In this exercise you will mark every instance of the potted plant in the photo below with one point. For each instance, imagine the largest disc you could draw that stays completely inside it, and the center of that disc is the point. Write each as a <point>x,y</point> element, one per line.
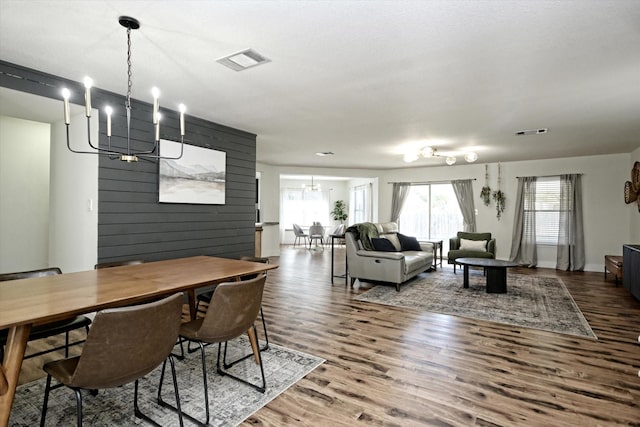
<point>339,211</point>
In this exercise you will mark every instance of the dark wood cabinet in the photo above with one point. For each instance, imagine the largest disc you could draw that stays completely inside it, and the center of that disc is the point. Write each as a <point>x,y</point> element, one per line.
<point>631,269</point>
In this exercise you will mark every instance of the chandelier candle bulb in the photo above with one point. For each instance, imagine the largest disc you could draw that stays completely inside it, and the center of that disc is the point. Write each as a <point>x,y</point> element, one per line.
<point>65,96</point>
<point>182,109</point>
<point>158,128</point>
<point>108,110</point>
<point>87,95</point>
<point>156,105</point>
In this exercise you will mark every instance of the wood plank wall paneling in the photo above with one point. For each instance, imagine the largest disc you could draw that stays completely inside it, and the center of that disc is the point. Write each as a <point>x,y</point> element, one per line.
<point>131,222</point>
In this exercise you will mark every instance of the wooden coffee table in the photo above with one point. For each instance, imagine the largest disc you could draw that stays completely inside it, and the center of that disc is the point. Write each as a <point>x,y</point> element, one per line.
<point>496,270</point>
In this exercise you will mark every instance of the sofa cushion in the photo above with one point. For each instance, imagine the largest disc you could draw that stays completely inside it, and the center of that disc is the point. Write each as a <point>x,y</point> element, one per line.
<point>473,245</point>
<point>455,254</point>
<point>408,243</point>
<point>382,244</point>
<point>416,260</point>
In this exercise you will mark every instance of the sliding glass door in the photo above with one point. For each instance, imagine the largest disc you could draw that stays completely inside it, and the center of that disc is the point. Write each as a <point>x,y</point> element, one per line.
<point>431,212</point>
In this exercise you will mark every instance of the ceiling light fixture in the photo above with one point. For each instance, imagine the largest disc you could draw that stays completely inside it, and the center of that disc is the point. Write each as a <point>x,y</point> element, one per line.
<point>128,155</point>
<point>429,152</point>
<point>325,153</point>
<point>532,132</point>
<point>311,187</point>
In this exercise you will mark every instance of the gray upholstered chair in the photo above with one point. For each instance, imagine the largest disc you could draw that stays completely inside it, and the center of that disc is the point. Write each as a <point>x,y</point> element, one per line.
<point>124,344</point>
<point>47,329</point>
<point>300,235</point>
<point>316,233</point>
<point>233,310</point>
<point>471,250</point>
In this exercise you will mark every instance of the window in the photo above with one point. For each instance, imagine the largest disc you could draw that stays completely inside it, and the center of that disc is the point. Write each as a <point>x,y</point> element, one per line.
<point>431,212</point>
<point>360,204</point>
<point>547,210</point>
<point>304,207</point>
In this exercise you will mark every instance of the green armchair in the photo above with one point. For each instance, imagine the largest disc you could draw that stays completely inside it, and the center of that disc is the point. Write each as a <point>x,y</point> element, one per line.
<point>464,246</point>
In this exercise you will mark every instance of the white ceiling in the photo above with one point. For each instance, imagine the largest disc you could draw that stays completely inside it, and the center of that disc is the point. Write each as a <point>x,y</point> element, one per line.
<point>364,79</point>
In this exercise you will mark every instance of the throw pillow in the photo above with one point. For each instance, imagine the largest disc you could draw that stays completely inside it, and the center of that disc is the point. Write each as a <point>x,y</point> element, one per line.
<point>393,238</point>
<point>382,244</point>
<point>408,243</point>
<point>473,245</point>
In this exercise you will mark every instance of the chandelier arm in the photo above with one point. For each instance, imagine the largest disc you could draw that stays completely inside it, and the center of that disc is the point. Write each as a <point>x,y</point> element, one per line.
<point>149,156</point>
<point>98,150</point>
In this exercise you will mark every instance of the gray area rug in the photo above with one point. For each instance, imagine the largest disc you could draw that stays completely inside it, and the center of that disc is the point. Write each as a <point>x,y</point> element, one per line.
<point>231,402</point>
<point>531,301</point>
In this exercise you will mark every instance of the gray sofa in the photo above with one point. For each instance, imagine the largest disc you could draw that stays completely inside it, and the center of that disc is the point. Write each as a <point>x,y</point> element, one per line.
<point>392,265</point>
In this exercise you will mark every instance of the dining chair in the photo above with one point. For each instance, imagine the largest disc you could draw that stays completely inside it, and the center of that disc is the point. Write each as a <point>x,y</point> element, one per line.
<point>232,312</point>
<point>316,233</point>
<point>118,263</point>
<point>46,330</point>
<point>124,344</point>
<point>300,235</point>
<point>206,297</point>
<point>338,231</point>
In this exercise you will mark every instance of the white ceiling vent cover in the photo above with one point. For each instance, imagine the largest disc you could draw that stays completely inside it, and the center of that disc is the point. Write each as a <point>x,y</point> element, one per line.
<point>247,58</point>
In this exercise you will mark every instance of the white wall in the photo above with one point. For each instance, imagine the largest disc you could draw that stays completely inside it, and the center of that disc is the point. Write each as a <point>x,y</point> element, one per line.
<point>270,197</point>
<point>24,194</point>
<point>606,218</point>
<point>608,222</point>
<point>73,235</point>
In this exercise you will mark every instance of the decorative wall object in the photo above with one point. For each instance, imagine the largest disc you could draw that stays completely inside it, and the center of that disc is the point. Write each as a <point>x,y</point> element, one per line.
<point>198,177</point>
<point>632,188</point>
<point>485,194</point>
<point>499,197</point>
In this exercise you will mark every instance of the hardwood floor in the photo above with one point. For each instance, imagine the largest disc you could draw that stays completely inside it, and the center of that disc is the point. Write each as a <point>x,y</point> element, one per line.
<point>387,366</point>
<point>391,366</point>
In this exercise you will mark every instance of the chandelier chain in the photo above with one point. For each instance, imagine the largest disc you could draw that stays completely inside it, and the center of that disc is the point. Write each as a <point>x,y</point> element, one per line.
<point>129,72</point>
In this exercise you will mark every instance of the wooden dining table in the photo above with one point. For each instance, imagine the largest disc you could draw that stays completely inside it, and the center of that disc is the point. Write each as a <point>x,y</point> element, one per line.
<point>26,302</point>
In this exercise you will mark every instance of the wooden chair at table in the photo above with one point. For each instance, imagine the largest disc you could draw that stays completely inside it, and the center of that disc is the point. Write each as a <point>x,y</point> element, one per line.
<point>46,330</point>
<point>148,331</point>
<point>233,310</point>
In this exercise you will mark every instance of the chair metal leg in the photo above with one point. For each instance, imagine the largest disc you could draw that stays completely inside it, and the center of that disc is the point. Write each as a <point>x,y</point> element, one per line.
<point>261,388</point>
<point>47,389</point>
<point>79,405</point>
<point>178,409</point>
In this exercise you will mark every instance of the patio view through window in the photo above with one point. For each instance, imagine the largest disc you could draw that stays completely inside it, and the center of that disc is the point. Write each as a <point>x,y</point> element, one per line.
<point>431,212</point>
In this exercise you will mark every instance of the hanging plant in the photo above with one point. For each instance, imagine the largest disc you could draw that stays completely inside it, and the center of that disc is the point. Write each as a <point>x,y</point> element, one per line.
<point>499,197</point>
<point>485,194</point>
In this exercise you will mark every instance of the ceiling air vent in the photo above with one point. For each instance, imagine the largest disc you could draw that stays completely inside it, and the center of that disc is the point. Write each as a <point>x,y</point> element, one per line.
<point>532,131</point>
<point>242,60</point>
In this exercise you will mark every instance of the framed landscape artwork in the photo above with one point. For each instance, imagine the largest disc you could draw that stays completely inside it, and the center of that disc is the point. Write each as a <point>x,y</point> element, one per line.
<point>198,177</point>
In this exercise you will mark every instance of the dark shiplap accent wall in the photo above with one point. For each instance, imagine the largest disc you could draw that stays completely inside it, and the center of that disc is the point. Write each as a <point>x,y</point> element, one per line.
<point>131,222</point>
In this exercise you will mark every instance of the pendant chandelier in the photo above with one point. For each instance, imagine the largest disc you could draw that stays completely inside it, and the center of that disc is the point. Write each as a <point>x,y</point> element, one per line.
<point>128,154</point>
<point>311,187</point>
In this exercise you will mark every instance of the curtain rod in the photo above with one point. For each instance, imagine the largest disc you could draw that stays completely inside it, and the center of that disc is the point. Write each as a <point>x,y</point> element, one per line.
<point>428,182</point>
<point>548,176</point>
